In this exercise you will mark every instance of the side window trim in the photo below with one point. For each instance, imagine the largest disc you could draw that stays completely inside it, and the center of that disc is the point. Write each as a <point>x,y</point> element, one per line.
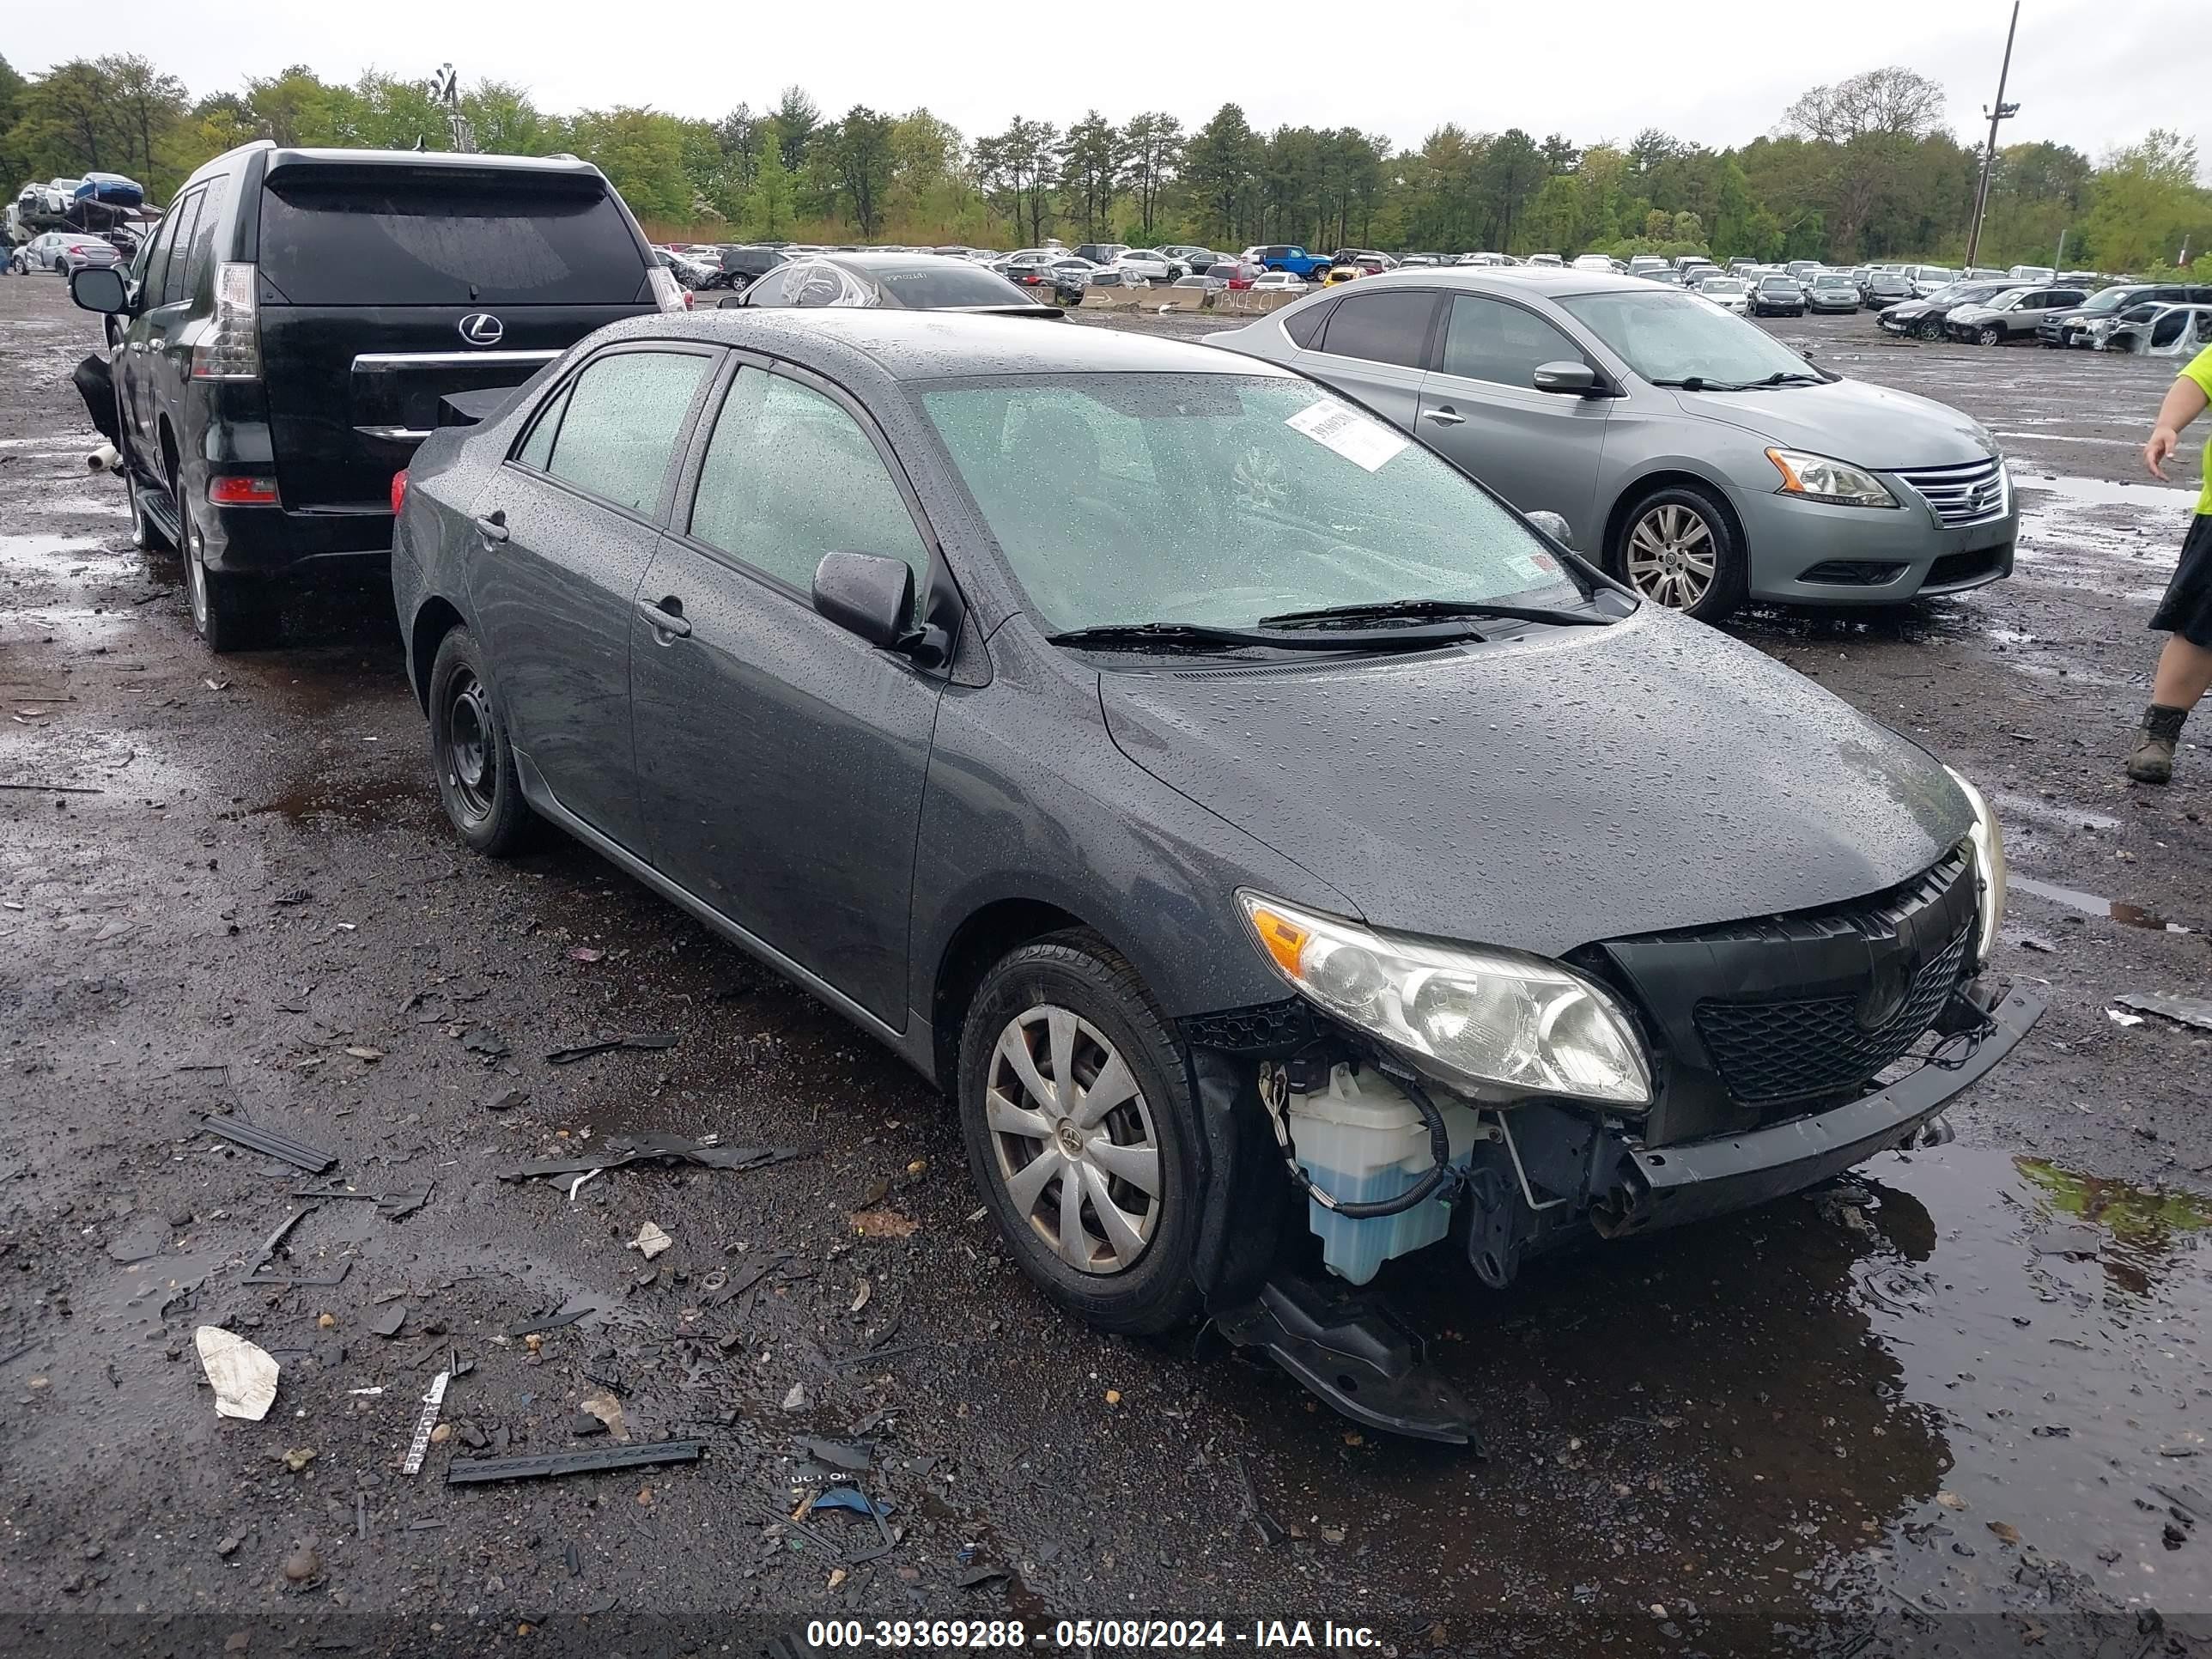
<point>176,269</point>
<point>940,578</point>
<point>657,518</point>
<point>157,255</point>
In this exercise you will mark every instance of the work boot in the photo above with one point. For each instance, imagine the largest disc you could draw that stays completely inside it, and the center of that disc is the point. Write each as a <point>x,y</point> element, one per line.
<point>2152,760</point>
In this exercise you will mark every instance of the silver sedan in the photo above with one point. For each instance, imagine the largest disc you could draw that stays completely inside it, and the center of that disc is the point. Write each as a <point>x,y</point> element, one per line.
<point>1696,456</point>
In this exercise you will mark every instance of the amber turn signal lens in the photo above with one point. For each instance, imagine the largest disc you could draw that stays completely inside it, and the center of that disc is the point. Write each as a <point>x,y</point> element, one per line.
<point>1284,939</point>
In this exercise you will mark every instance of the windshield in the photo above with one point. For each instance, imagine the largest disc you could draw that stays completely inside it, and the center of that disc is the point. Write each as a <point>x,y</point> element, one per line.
<point>1720,285</point>
<point>2110,298</point>
<point>1831,281</point>
<point>1676,337</point>
<point>1937,273</point>
<point>1218,499</point>
<point>2007,298</point>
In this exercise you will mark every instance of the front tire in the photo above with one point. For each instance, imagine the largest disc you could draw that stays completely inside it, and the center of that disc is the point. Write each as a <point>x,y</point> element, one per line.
<point>1928,328</point>
<point>477,782</point>
<point>1076,1105</point>
<point>1989,335</point>
<point>1678,548</point>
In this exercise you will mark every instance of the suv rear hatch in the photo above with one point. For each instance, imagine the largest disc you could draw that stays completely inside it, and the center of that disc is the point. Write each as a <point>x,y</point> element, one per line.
<point>383,288</point>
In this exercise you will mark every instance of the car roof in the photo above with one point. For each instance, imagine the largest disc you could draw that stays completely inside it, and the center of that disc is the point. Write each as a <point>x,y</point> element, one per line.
<point>1553,281</point>
<point>926,345</point>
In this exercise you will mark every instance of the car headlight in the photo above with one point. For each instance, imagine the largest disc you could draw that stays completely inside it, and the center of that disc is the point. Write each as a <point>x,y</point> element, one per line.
<point>1820,478</point>
<point>1484,1021</point>
<point>1988,839</point>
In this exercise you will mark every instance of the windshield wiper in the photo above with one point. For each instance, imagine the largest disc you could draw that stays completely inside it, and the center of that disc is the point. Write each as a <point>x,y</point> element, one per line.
<point>1385,611</point>
<point>1786,377</point>
<point>1201,636</point>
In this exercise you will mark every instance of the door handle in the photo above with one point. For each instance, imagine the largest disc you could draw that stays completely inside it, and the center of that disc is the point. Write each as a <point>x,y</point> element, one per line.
<point>493,529</point>
<point>1444,417</point>
<point>667,615</point>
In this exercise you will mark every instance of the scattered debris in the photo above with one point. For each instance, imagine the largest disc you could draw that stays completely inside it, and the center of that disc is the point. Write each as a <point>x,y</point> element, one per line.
<point>2119,1019</point>
<point>977,1578</point>
<point>507,1100</point>
<point>418,1448</point>
<point>302,1565</point>
<point>607,1410</point>
<point>473,1471</point>
<point>289,1281</point>
<point>243,1376</point>
<point>860,1297</point>
<point>639,1040</point>
<point>2076,1239</point>
<point>584,953</point>
<point>393,1206</point>
<point>849,1497</point>
<point>298,1458</point>
<point>583,1423</point>
<point>1270,1531</point>
<point>2189,1011</point>
<point>568,1313</point>
<point>269,1247</point>
<point>294,1153</point>
<point>651,1148</point>
<point>799,1400</point>
<point>854,1457</point>
<point>2036,943</point>
<point>881,1224</point>
<point>388,1322</point>
<point>2006,1532</point>
<point>650,1240</point>
<point>579,1183</point>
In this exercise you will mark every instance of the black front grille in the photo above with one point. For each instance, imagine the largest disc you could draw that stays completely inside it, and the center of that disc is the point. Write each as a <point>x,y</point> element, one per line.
<point>1852,573</point>
<point>1963,567</point>
<point>1770,1052</point>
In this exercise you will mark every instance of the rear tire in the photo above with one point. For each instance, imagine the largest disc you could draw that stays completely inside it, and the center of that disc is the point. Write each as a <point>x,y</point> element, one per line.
<point>1069,1196</point>
<point>1678,548</point>
<point>231,613</point>
<point>477,783</point>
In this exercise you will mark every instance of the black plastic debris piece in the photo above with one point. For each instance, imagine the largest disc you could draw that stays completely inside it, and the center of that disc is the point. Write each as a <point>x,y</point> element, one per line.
<point>854,1455</point>
<point>568,1313</point>
<point>388,1322</point>
<point>639,1040</point>
<point>1270,1532</point>
<point>293,1281</point>
<point>392,1206</point>
<point>474,1471</point>
<point>977,1577</point>
<point>623,1151</point>
<point>297,1153</point>
<point>583,1423</point>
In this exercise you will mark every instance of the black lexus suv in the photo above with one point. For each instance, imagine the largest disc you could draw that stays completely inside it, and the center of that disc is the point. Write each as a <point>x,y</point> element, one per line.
<point>288,336</point>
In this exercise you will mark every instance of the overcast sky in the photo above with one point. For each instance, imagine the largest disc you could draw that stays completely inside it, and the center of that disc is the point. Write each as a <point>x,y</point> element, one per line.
<point>2086,73</point>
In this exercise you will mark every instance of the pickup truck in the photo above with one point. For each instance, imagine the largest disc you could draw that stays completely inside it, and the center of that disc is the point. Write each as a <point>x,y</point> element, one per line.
<point>1296,260</point>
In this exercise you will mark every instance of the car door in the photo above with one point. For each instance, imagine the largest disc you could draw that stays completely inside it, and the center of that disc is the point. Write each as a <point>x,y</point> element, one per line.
<point>166,311</point>
<point>565,530</point>
<point>1480,407</point>
<point>781,759</point>
<point>131,366</point>
<point>1374,345</point>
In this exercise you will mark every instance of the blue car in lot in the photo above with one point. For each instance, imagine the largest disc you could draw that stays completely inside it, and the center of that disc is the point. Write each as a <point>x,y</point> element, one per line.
<point>1695,456</point>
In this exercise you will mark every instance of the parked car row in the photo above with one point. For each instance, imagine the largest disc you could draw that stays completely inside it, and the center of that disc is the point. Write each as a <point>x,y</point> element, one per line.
<point>840,629</point>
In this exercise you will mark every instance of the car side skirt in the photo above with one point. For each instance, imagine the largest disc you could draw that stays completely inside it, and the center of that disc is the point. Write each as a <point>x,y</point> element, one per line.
<point>914,1045</point>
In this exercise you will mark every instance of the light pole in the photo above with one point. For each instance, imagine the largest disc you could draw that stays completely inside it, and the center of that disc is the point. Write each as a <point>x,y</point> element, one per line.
<point>2000,112</point>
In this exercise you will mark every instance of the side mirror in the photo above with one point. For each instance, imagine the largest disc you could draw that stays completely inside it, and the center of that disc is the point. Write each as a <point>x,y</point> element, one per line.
<point>867,594</point>
<point>1553,525</point>
<point>100,288</point>
<point>730,300</point>
<point>1568,379</point>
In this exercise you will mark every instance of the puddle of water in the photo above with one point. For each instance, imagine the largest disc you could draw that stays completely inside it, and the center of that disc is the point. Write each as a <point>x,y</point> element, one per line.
<point>2059,815</point>
<point>356,800</point>
<point>2093,904</point>
<point>1795,1414</point>
<point>2157,498</point>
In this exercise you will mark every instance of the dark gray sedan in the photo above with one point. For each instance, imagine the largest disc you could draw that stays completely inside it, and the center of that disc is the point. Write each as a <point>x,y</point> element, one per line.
<point>1242,815</point>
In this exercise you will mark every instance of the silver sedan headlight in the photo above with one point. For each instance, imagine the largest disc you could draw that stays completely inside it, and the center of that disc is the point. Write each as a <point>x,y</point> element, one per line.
<point>1987,840</point>
<point>1489,1023</point>
<point>1822,478</point>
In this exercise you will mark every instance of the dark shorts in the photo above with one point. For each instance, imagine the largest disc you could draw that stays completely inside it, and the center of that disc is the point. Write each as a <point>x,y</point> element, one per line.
<point>2187,609</point>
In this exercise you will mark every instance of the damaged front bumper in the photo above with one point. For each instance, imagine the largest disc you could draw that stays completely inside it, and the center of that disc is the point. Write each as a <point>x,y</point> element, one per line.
<point>1700,1179</point>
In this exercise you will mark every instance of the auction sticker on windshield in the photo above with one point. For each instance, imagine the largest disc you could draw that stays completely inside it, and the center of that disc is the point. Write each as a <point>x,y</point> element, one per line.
<point>1366,444</point>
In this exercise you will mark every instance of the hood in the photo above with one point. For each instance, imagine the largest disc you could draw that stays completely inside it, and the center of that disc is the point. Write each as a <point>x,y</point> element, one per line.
<point>1853,421</point>
<point>1581,784</point>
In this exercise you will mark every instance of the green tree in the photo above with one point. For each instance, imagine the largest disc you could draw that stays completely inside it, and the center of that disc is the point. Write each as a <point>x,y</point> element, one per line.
<point>1091,157</point>
<point>1513,169</point>
<point>2145,201</point>
<point>796,116</point>
<point>769,212</point>
<point>69,121</point>
<point>862,152</point>
<point>1153,143</point>
<point>1221,164</point>
<point>506,121</point>
<point>641,152</point>
<point>1021,166</point>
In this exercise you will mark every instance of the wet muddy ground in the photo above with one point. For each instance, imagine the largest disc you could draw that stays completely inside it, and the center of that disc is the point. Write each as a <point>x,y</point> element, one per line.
<point>1959,1401</point>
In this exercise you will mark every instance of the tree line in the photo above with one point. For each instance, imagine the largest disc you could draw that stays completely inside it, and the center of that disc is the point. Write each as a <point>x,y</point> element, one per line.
<point>1861,169</point>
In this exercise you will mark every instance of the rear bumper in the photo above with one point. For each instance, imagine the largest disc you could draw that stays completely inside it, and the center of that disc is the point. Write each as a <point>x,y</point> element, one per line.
<point>1704,1178</point>
<point>274,541</point>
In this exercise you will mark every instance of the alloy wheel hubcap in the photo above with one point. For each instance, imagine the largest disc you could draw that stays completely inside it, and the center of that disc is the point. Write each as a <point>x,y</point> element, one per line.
<point>1074,1140</point>
<point>470,770</point>
<point>1671,556</point>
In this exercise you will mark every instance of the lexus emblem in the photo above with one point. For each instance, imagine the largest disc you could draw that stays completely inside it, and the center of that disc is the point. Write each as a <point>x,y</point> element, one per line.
<point>482,328</point>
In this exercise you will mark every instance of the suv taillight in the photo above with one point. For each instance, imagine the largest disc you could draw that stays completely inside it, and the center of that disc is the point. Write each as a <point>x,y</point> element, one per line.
<point>230,347</point>
<point>398,491</point>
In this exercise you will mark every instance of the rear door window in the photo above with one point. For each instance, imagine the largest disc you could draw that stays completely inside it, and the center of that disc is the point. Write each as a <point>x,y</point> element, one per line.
<point>618,433</point>
<point>164,240</point>
<point>1382,328</point>
<point>357,237</point>
<point>200,255</point>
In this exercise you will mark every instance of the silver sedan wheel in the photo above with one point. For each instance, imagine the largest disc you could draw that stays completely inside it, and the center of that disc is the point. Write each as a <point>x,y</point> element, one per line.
<point>1671,556</point>
<point>1077,1154</point>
